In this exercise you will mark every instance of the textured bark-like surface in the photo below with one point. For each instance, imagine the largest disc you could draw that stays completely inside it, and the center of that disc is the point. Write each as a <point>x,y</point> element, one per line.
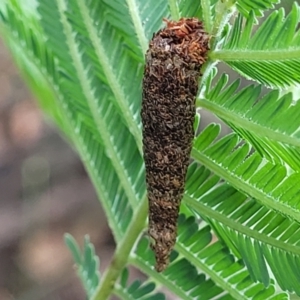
<point>170,85</point>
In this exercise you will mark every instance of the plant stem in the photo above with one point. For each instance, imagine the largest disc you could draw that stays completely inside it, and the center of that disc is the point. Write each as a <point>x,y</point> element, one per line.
<point>255,55</point>
<point>122,252</point>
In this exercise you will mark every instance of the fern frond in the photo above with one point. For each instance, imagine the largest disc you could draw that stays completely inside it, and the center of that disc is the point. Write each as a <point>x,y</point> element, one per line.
<point>271,55</point>
<point>117,13</point>
<point>82,131</point>
<point>270,123</point>
<point>136,290</point>
<point>140,19</point>
<point>107,59</point>
<point>32,73</point>
<point>181,277</point>
<point>258,255</point>
<point>99,86</point>
<point>248,228</point>
<point>87,263</point>
<point>190,8</point>
<point>115,135</point>
<point>258,7</point>
<point>37,83</point>
<point>251,230</point>
<point>273,151</point>
<point>271,115</point>
<point>203,10</point>
<point>147,18</point>
<point>248,171</point>
<point>229,278</point>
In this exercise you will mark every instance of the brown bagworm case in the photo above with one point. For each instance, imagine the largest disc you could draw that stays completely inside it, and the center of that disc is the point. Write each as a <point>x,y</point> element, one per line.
<point>170,86</point>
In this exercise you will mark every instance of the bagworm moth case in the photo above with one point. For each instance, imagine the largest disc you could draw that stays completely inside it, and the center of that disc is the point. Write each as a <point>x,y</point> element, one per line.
<point>170,85</point>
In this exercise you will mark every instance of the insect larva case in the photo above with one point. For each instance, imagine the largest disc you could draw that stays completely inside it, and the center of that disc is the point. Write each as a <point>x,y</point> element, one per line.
<point>170,86</point>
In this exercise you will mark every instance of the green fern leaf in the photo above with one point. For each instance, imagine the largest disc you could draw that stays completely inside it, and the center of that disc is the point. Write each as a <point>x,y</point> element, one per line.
<point>88,141</point>
<point>248,172</point>
<point>230,278</point>
<point>107,63</point>
<point>118,14</point>
<point>137,290</point>
<point>270,122</point>
<point>190,8</point>
<point>181,277</point>
<point>270,56</point>
<point>135,21</point>
<point>258,6</point>
<point>87,263</point>
<point>96,78</point>
<point>34,78</point>
<point>248,228</point>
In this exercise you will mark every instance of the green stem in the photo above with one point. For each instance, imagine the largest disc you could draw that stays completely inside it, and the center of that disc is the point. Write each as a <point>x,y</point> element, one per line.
<point>121,255</point>
<point>173,5</point>
<point>255,55</point>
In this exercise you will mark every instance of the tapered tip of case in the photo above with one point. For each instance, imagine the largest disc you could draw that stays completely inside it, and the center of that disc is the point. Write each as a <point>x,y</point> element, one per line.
<point>162,246</point>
